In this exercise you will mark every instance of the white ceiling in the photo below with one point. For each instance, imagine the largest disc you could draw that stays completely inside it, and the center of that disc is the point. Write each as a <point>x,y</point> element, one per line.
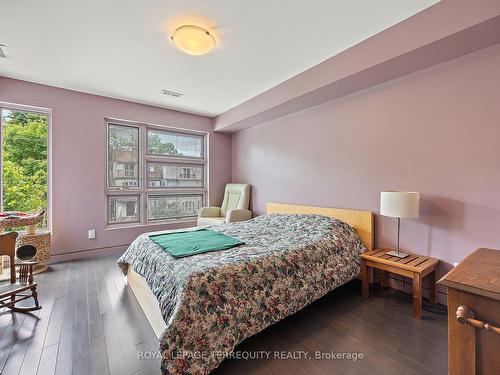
<point>121,48</point>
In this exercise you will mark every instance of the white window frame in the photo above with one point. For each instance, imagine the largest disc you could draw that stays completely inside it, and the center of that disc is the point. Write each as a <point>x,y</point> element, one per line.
<point>143,191</point>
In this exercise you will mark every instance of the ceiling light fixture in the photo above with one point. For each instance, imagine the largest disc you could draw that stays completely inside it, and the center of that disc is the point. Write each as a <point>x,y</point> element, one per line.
<point>193,40</point>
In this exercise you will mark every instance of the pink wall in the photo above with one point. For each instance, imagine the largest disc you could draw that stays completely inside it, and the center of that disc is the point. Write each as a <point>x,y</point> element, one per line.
<point>436,131</point>
<point>78,154</point>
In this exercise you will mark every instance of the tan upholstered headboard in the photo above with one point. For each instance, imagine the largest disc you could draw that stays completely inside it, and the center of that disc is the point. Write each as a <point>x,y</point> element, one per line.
<point>362,221</point>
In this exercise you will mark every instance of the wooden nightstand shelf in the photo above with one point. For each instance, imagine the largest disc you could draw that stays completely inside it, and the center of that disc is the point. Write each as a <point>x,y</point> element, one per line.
<point>413,266</point>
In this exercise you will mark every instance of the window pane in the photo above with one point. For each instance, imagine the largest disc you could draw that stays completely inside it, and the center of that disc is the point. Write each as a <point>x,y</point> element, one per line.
<point>123,156</point>
<point>174,175</point>
<point>174,206</point>
<point>174,144</point>
<point>123,209</point>
<point>24,164</point>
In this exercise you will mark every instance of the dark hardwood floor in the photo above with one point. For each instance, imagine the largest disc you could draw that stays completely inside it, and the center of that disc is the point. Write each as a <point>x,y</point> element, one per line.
<point>91,323</point>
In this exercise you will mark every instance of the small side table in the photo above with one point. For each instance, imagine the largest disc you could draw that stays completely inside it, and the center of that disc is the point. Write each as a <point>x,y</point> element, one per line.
<point>414,266</point>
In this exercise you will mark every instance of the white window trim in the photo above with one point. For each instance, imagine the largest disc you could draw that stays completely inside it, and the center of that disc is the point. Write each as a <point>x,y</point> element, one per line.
<point>143,190</point>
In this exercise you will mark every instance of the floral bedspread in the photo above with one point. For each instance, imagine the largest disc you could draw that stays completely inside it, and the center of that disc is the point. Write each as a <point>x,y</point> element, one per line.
<point>213,301</point>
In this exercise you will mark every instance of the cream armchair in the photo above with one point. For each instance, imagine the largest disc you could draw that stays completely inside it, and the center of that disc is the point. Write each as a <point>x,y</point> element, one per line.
<point>234,207</point>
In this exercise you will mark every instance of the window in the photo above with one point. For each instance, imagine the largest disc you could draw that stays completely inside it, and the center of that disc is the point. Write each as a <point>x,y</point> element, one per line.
<point>24,166</point>
<point>167,143</point>
<point>162,179</point>
<point>123,209</point>
<point>174,175</point>
<point>173,206</point>
<point>123,156</point>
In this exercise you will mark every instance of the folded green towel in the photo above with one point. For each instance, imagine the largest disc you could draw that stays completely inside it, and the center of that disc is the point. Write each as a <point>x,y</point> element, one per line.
<point>184,244</point>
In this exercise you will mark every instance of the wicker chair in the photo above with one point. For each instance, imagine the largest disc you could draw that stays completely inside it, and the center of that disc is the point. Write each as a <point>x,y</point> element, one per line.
<point>22,289</point>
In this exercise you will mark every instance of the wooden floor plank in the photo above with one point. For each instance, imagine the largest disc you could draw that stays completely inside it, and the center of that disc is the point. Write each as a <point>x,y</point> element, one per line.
<point>65,350</point>
<point>10,338</point>
<point>98,357</point>
<point>81,341</point>
<point>5,318</point>
<point>95,325</point>
<point>114,354</point>
<point>66,340</point>
<point>59,311</point>
<point>102,293</point>
<point>48,360</point>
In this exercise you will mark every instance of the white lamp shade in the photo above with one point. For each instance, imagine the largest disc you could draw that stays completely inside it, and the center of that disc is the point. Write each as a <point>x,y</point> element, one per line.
<point>402,204</point>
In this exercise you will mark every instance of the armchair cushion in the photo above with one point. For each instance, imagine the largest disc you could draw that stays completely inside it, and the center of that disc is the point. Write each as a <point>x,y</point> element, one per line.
<point>209,212</point>
<point>233,216</point>
<point>203,221</point>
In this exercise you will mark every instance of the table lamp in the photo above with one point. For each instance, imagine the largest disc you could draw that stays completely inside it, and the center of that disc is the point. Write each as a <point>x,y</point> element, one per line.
<point>401,205</point>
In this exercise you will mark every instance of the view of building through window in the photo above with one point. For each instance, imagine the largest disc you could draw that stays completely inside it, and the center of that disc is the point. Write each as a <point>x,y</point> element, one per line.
<point>123,209</point>
<point>24,150</point>
<point>174,175</point>
<point>123,156</point>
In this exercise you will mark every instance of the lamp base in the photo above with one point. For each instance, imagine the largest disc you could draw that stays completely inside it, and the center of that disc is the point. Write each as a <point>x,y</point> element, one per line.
<point>395,253</point>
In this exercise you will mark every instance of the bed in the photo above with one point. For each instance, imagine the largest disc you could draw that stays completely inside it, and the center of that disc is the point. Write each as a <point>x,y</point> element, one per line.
<point>202,306</point>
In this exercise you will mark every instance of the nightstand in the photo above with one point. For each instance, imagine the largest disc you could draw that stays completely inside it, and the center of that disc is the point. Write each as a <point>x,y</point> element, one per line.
<point>414,266</point>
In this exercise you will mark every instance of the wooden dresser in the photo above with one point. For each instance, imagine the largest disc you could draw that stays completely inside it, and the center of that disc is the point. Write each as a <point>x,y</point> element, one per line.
<point>474,314</point>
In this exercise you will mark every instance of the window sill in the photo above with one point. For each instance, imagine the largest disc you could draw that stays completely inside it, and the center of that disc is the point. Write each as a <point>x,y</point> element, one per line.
<point>178,223</point>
